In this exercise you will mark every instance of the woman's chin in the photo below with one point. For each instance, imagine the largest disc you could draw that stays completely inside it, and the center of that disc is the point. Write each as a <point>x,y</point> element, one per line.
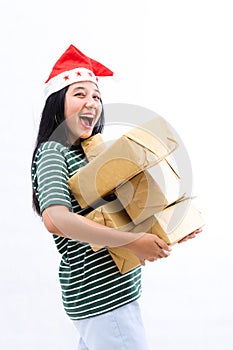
<point>75,139</point>
<point>86,134</point>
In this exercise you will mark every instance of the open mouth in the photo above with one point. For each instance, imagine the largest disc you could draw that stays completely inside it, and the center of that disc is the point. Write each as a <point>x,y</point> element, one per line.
<point>87,120</point>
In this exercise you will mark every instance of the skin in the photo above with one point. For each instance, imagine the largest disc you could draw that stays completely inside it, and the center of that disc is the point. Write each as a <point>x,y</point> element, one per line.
<point>82,111</point>
<point>191,235</point>
<point>82,101</point>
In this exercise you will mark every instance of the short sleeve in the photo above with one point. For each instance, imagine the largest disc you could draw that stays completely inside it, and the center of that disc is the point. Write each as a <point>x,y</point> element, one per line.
<point>51,177</point>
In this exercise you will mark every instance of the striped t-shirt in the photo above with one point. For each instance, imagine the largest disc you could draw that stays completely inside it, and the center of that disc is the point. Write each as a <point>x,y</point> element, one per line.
<point>91,283</point>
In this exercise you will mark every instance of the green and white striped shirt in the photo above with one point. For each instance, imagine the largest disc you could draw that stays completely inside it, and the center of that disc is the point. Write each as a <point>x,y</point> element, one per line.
<point>91,283</point>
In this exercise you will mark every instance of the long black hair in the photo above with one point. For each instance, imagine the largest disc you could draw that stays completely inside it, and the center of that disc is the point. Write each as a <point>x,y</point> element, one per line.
<point>52,127</point>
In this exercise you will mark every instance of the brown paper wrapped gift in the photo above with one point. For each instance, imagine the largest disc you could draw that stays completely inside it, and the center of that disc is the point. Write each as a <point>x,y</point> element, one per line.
<point>149,192</point>
<point>174,222</point>
<point>171,224</point>
<point>93,146</point>
<point>124,259</point>
<point>167,177</point>
<point>133,152</point>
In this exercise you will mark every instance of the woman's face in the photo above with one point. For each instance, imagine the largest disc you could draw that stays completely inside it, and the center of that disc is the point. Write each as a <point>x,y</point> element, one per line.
<point>82,109</point>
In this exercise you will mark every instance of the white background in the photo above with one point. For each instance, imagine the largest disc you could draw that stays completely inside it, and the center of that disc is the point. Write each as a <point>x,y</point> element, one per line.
<point>173,57</point>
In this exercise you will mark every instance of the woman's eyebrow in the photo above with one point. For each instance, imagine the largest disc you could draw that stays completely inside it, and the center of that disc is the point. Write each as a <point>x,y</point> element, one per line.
<point>79,88</point>
<point>83,88</point>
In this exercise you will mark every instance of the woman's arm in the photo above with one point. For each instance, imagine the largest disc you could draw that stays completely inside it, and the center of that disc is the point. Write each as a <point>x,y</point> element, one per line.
<point>59,220</point>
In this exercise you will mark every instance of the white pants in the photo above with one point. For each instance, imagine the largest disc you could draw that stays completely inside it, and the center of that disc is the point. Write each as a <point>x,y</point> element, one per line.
<point>120,329</point>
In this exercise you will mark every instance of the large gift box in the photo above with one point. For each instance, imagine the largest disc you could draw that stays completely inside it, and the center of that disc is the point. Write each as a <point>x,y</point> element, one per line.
<point>133,152</point>
<point>171,224</point>
<point>150,191</point>
<point>174,222</point>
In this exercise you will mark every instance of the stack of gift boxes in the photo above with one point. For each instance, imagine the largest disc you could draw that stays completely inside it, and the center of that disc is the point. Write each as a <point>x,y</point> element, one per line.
<point>137,169</point>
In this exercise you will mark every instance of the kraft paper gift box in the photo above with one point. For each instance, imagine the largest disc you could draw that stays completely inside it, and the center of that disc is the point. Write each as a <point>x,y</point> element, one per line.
<point>124,259</point>
<point>134,151</point>
<point>93,146</point>
<point>174,222</point>
<point>113,215</point>
<point>167,177</point>
<point>150,191</point>
<point>171,224</point>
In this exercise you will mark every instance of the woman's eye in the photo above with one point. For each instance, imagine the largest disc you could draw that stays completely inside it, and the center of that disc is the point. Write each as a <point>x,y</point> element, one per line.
<point>96,97</point>
<point>80,94</point>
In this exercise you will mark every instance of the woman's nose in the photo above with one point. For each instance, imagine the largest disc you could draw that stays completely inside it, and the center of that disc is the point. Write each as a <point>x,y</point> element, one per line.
<point>90,102</point>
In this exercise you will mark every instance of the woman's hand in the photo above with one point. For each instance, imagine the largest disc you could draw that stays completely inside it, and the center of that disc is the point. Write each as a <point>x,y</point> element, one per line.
<point>149,247</point>
<point>191,235</point>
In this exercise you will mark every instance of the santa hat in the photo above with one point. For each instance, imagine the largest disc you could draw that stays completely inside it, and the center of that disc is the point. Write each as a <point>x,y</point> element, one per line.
<point>72,67</point>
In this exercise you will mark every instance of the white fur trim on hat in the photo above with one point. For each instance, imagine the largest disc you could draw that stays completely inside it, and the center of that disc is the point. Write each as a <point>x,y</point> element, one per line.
<point>68,77</point>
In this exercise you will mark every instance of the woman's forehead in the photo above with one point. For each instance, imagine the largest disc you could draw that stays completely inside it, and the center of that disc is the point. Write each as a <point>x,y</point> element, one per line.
<point>86,85</point>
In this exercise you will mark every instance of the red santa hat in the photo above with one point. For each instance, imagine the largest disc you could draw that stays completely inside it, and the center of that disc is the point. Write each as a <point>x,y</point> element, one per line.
<point>73,66</point>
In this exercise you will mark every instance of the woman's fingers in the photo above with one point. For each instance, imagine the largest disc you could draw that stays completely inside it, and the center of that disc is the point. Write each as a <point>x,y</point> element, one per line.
<point>191,235</point>
<point>162,244</point>
<point>198,230</point>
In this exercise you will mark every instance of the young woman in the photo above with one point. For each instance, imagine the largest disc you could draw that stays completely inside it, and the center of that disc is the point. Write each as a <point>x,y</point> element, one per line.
<point>101,301</point>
